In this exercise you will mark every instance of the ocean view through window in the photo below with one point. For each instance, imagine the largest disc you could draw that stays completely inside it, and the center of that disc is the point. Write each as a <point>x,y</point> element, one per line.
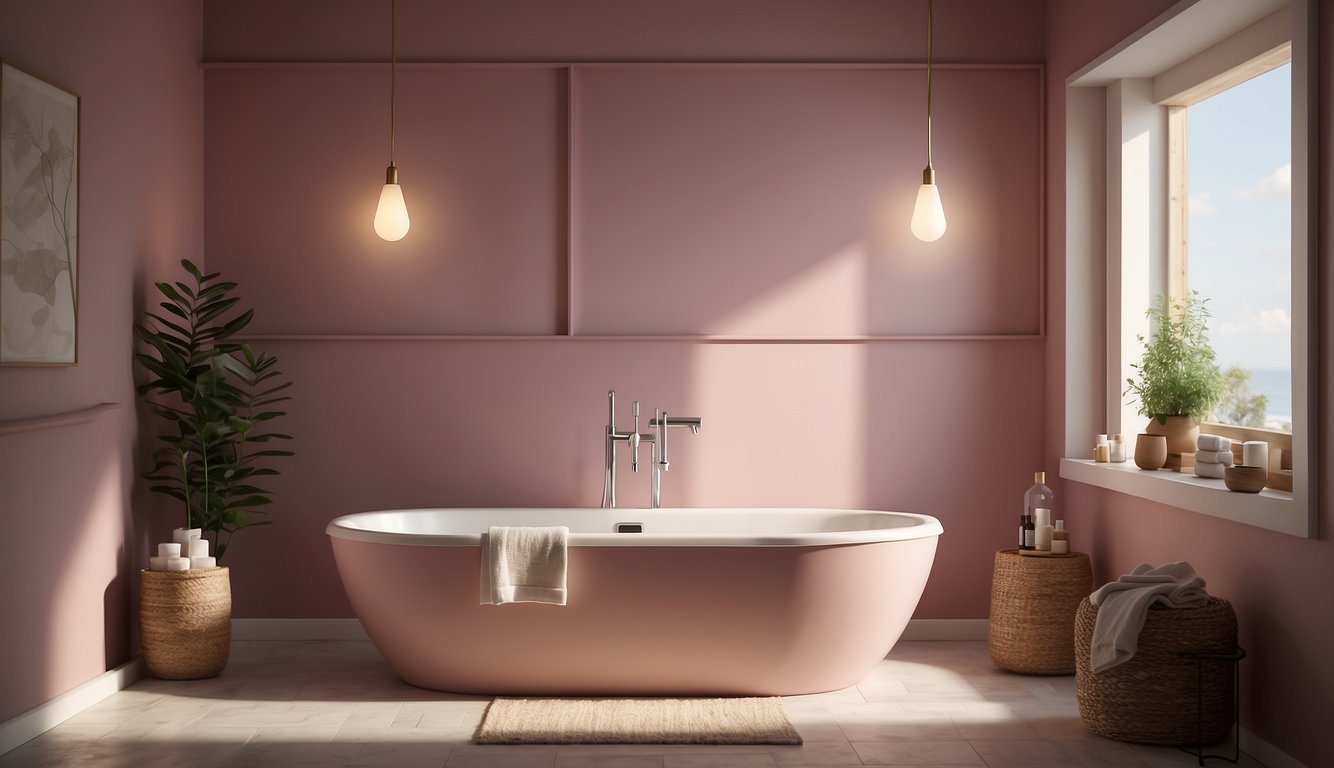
<point>1236,247</point>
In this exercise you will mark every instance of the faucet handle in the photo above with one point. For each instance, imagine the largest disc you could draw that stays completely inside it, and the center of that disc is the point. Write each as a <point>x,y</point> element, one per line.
<point>661,422</point>
<point>634,440</point>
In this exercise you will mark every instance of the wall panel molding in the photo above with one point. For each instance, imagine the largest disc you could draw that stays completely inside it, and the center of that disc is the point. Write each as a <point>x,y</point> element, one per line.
<point>451,338</point>
<point>791,261</point>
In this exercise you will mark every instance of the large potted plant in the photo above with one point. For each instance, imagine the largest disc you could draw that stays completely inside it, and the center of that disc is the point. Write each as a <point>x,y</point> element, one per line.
<point>1178,381</point>
<point>215,399</point>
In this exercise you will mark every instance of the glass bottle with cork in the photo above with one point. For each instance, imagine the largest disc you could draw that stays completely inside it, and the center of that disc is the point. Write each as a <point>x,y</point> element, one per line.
<point>1039,496</point>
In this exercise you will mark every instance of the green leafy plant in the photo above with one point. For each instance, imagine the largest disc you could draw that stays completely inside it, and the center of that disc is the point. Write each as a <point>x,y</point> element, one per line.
<point>217,398</point>
<point>1177,372</point>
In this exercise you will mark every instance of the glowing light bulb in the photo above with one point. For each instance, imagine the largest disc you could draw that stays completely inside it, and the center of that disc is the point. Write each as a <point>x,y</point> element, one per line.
<point>928,215</point>
<point>391,215</point>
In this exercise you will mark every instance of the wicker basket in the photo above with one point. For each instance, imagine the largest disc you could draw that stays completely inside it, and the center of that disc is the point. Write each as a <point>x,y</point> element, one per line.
<point>1033,604</point>
<point>1152,698</point>
<point>185,622</point>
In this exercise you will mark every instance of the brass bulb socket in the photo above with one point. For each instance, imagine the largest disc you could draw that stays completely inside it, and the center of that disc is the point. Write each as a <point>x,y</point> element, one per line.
<point>391,174</point>
<point>929,175</point>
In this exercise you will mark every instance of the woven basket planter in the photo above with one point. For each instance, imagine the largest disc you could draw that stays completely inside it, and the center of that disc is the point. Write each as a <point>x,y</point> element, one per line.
<point>1033,604</point>
<point>1152,698</point>
<point>185,622</point>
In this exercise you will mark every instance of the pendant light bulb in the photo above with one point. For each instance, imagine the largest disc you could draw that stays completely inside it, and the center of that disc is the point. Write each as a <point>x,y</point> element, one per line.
<point>928,215</point>
<point>391,215</point>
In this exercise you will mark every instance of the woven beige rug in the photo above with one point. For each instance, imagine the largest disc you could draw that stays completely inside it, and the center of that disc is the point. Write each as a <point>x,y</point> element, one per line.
<point>636,721</point>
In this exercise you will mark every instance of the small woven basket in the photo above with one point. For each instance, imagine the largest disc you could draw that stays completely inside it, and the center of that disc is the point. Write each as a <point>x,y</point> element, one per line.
<point>1033,604</point>
<point>185,622</point>
<point>1158,697</point>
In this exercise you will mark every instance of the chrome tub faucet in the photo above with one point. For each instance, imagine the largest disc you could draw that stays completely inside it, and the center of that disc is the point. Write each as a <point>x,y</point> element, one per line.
<point>660,425</point>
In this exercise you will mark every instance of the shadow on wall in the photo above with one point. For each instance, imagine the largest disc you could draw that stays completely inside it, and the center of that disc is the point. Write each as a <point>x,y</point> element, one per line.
<point>957,435</point>
<point>64,577</point>
<point>407,424</point>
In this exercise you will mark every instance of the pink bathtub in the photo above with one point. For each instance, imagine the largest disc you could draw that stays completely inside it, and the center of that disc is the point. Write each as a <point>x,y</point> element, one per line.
<point>741,602</point>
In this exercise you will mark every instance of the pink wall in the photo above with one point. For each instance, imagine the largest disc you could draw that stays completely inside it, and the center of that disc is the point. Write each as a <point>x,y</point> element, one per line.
<point>762,201</point>
<point>626,30</point>
<point>519,423</point>
<point>539,210</point>
<point>73,538</point>
<point>441,421</point>
<point>1274,581</point>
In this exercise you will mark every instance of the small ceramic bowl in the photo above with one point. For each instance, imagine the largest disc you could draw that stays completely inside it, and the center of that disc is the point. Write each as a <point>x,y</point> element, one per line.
<point>1245,479</point>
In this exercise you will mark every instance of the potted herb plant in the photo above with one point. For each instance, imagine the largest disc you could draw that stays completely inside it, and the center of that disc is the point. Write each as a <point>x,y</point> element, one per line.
<point>216,401</point>
<point>1178,380</point>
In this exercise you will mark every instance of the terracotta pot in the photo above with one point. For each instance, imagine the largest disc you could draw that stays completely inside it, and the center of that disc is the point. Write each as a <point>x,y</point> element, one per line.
<point>1150,451</point>
<point>1181,432</point>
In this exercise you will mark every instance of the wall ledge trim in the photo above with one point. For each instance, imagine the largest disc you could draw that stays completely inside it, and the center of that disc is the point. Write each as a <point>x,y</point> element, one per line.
<point>51,421</point>
<point>689,339</point>
<point>377,64</point>
<point>23,728</point>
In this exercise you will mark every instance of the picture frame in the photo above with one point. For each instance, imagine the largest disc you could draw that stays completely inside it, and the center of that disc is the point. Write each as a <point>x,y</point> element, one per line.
<point>39,220</point>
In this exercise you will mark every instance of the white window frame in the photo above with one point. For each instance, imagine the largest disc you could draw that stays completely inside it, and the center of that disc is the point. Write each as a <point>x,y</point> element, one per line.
<point>1117,239</point>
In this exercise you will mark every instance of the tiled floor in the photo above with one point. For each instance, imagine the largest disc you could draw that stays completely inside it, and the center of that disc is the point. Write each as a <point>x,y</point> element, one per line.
<point>337,704</point>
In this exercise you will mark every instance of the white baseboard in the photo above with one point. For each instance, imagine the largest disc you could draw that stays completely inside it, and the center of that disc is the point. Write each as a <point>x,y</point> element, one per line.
<point>297,629</point>
<point>350,629</point>
<point>43,717</point>
<point>1265,753</point>
<point>946,629</point>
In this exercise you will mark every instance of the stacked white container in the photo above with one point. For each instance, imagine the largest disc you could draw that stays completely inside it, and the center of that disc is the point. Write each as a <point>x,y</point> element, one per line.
<point>1213,453</point>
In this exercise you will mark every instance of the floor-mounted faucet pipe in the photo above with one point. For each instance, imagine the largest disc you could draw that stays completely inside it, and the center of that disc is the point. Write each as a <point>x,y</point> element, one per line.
<point>633,439</point>
<point>657,438</point>
<point>609,460</point>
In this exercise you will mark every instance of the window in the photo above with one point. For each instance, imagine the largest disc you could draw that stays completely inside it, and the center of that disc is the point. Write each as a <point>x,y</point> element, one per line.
<point>1129,137</point>
<point>1230,187</point>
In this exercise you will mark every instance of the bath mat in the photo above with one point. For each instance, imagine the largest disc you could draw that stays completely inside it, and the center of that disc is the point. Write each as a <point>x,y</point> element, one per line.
<point>636,721</point>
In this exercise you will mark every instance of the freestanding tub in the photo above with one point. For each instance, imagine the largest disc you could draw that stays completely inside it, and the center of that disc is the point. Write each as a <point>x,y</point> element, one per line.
<point>741,602</point>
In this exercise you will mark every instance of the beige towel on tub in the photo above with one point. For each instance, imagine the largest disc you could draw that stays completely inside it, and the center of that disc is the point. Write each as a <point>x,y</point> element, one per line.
<point>524,565</point>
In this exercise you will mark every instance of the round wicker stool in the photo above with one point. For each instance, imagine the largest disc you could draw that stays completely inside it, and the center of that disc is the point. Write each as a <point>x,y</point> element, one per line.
<point>1152,698</point>
<point>1033,604</point>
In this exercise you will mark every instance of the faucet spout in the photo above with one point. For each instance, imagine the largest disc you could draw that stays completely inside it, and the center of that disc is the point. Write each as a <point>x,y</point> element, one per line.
<point>661,423</point>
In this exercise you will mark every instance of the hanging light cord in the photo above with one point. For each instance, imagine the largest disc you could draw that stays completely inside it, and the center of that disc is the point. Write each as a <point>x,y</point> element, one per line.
<point>393,71</point>
<point>928,83</point>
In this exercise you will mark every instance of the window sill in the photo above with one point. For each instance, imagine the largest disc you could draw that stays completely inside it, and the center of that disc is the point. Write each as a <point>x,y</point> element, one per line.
<point>1270,509</point>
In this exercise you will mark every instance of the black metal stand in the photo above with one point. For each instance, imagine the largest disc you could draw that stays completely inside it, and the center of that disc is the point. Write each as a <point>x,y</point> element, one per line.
<point>1234,659</point>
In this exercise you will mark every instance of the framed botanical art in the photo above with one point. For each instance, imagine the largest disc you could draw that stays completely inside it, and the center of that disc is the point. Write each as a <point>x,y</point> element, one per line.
<point>39,221</point>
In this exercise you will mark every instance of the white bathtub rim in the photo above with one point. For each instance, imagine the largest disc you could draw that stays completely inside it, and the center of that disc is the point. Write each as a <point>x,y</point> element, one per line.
<point>921,526</point>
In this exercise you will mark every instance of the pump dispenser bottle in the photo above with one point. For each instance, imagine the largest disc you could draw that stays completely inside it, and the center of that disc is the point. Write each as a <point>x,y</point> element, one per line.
<point>1042,529</point>
<point>1039,496</point>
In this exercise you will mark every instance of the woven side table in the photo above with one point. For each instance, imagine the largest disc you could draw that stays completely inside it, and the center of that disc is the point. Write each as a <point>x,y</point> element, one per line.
<point>1033,604</point>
